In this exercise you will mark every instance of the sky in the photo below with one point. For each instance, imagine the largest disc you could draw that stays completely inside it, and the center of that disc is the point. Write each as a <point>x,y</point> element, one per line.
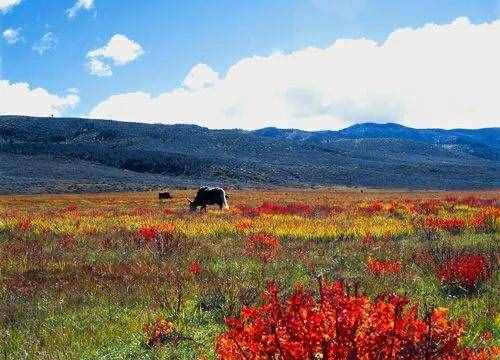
<point>308,64</point>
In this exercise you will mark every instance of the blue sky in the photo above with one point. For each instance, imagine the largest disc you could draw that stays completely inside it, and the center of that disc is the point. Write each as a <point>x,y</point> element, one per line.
<point>173,37</point>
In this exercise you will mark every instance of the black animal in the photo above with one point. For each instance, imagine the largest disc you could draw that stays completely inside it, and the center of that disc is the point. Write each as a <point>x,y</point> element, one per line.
<point>164,196</point>
<point>209,196</point>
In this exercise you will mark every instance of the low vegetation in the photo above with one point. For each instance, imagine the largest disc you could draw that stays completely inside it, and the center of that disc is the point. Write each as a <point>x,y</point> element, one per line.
<point>283,274</point>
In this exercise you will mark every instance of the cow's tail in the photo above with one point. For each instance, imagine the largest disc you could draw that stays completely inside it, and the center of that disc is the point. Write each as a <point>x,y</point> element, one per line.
<point>225,205</point>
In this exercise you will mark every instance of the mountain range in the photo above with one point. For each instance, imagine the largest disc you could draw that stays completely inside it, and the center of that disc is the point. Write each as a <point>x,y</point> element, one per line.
<point>39,155</point>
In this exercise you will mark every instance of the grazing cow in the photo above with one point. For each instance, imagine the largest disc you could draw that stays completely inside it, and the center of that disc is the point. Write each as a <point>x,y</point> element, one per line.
<point>164,196</point>
<point>209,196</point>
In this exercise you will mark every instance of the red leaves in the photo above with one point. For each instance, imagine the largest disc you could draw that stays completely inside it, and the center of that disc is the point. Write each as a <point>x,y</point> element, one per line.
<point>151,233</point>
<point>25,225</point>
<point>158,332</point>
<point>272,208</point>
<point>148,233</point>
<point>263,246</point>
<point>465,271</point>
<point>340,326</point>
<point>195,268</point>
<point>373,208</point>
<point>383,267</point>
<point>446,224</point>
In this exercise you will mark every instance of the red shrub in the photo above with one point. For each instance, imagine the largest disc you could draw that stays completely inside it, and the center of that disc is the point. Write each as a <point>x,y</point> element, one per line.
<point>158,332</point>
<point>465,271</point>
<point>484,220</point>
<point>382,267</point>
<point>373,208</point>
<point>195,268</point>
<point>148,233</point>
<point>271,208</point>
<point>477,202</point>
<point>341,326</point>
<point>25,225</point>
<point>428,207</point>
<point>243,224</point>
<point>168,212</point>
<point>446,224</point>
<point>263,246</point>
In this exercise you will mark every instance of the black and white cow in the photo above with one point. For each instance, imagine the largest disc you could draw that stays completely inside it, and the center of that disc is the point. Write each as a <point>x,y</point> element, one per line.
<point>209,196</point>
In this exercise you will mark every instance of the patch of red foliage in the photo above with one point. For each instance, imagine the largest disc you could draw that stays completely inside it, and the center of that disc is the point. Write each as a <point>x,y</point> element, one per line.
<point>301,209</point>
<point>263,246</point>
<point>477,202</point>
<point>341,326</point>
<point>158,332</point>
<point>148,233</point>
<point>25,225</point>
<point>272,208</point>
<point>428,207</point>
<point>465,271</point>
<point>484,220</point>
<point>243,224</point>
<point>195,268</point>
<point>168,212</point>
<point>383,267</point>
<point>374,208</point>
<point>446,224</point>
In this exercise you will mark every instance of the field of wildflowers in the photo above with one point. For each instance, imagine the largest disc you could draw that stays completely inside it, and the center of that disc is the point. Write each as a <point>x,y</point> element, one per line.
<point>284,274</point>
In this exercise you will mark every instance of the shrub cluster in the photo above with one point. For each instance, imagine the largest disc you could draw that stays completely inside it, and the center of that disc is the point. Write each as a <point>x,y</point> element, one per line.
<point>342,326</point>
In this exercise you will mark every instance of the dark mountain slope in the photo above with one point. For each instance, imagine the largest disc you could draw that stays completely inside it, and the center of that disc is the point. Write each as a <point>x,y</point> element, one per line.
<point>187,154</point>
<point>483,143</point>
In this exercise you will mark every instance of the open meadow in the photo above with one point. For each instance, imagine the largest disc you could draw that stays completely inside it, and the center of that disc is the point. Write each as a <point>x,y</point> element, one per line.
<point>122,276</point>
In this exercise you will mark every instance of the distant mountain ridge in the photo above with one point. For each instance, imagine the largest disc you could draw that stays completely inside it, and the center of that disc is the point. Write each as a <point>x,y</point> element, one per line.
<point>481,142</point>
<point>115,155</point>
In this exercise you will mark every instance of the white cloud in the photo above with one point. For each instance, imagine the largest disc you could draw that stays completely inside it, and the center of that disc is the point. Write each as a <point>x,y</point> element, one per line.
<point>99,68</point>
<point>120,50</point>
<point>12,36</point>
<point>46,43</point>
<point>200,76</point>
<point>433,76</point>
<point>79,5</point>
<point>21,99</point>
<point>6,5</point>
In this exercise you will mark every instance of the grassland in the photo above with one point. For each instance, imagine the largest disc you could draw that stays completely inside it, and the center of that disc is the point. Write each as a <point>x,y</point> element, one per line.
<point>80,275</point>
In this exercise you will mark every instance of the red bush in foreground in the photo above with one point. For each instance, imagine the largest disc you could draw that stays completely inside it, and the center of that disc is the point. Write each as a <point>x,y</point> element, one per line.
<point>341,326</point>
<point>465,271</point>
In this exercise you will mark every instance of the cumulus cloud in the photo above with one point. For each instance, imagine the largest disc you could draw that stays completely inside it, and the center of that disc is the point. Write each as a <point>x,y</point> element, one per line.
<point>432,76</point>
<point>12,36</point>
<point>200,76</point>
<point>21,99</point>
<point>6,5</point>
<point>120,50</point>
<point>79,5</point>
<point>46,43</point>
